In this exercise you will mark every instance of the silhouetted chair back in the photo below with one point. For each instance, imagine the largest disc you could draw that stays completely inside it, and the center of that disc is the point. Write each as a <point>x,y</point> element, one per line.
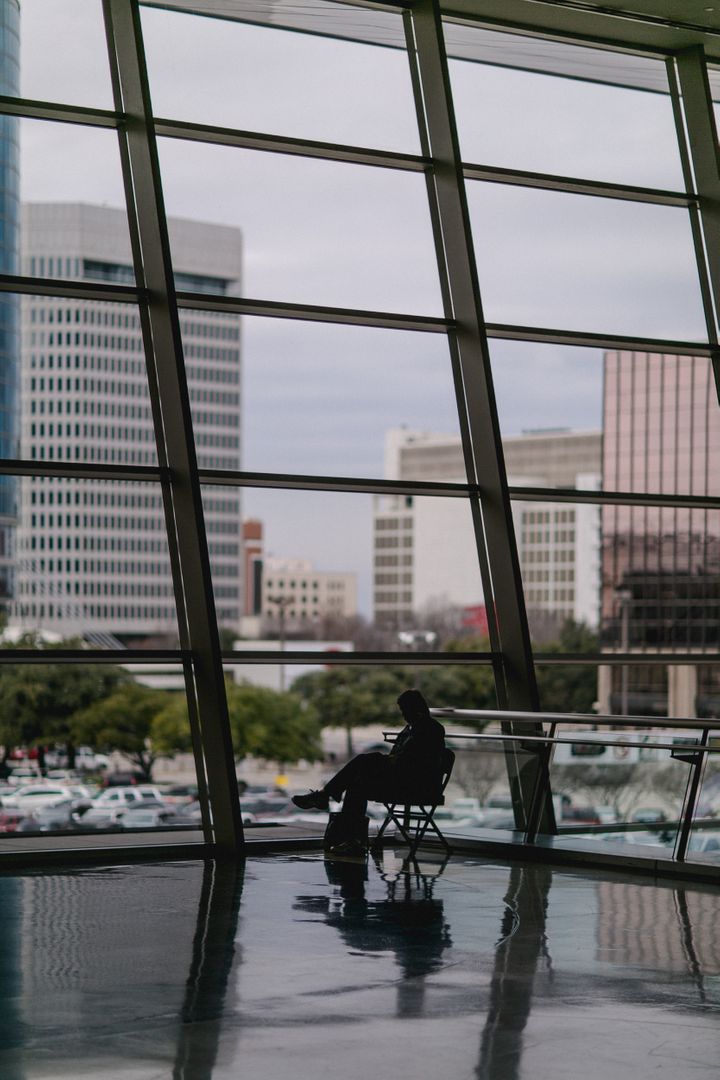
<point>413,812</point>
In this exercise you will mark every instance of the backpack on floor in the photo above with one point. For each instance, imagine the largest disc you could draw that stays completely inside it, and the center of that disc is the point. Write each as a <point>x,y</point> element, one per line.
<point>346,835</point>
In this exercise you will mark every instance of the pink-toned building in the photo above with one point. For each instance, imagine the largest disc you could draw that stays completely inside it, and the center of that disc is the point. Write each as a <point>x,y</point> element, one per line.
<point>660,580</point>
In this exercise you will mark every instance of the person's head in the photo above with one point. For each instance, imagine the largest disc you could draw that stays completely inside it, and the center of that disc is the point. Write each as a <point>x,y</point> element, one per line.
<point>413,706</point>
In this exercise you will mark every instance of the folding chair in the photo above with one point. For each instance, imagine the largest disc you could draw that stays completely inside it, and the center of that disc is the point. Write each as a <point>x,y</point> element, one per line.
<point>413,816</point>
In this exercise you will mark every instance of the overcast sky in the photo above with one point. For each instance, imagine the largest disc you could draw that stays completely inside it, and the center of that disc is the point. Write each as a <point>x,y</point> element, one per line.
<point>319,398</point>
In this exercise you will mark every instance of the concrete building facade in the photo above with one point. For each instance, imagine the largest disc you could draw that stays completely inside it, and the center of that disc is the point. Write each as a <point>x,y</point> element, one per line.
<point>425,558</point>
<point>92,555</point>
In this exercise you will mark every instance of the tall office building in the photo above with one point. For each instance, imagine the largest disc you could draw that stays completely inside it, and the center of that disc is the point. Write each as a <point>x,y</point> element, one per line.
<point>9,304</point>
<point>660,565</point>
<point>424,548</point>
<point>92,555</point>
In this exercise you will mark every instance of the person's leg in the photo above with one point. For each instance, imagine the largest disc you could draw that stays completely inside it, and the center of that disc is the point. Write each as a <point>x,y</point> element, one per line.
<point>353,779</point>
<point>367,771</point>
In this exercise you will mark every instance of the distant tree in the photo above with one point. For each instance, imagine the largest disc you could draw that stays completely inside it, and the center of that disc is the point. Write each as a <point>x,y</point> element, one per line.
<point>123,721</point>
<point>478,769</point>
<point>39,701</point>
<point>565,687</point>
<point>620,786</point>
<point>349,697</point>
<point>263,722</point>
<point>273,725</point>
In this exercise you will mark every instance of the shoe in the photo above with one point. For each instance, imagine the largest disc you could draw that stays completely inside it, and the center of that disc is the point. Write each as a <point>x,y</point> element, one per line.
<point>314,800</point>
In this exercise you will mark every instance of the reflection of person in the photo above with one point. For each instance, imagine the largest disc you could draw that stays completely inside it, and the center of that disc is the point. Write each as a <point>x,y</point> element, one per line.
<point>408,923</point>
<point>413,765</point>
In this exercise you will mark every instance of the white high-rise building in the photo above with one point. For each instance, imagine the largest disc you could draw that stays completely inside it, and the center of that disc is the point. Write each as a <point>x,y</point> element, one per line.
<point>425,555</point>
<point>92,555</point>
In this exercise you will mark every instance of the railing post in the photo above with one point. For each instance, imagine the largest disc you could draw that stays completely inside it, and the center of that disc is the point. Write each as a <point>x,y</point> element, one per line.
<point>696,761</point>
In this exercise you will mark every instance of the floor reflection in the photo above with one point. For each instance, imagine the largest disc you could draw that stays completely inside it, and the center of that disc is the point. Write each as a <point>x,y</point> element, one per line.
<point>408,921</point>
<point>215,952</point>
<point>521,949</point>
<point>143,972</point>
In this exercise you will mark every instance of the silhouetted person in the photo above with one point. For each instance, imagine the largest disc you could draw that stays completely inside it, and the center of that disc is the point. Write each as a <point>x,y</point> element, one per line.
<point>413,765</point>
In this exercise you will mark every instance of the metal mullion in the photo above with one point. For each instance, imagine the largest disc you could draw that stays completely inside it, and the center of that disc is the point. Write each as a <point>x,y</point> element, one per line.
<point>446,292</point>
<point>575,186</point>
<point>80,471</point>
<point>64,289</point>
<point>93,656</point>
<point>163,342</point>
<point>274,309</point>
<point>613,498</point>
<point>703,154</point>
<point>695,221</point>
<point>281,144</point>
<point>474,360</point>
<point>345,659</point>
<point>620,659</point>
<point>541,334</point>
<point>362,485</point>
<point>66,114</point>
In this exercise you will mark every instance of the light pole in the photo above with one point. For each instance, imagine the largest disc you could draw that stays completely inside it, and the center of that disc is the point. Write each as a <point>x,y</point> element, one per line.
<point>281,602</point>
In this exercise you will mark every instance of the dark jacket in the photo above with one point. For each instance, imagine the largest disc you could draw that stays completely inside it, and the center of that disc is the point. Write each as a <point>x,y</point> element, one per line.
<point>417,756</point>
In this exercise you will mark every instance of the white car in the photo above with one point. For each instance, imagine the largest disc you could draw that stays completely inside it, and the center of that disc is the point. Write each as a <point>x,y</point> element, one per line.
<point>122,798</point>
<point>37,796</point>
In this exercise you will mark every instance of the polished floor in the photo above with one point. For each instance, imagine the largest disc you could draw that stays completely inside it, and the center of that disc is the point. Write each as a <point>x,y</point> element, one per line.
<point>300,968</point>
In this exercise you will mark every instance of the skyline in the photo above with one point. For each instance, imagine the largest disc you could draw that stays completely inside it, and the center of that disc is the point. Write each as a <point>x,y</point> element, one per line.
<point>327,416</point>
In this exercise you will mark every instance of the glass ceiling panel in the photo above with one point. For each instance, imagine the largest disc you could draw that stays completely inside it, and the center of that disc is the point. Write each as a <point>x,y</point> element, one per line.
<point>461,39</point>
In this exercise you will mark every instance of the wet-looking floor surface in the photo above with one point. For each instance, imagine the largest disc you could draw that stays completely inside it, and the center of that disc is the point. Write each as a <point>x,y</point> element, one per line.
<point>297,968</point>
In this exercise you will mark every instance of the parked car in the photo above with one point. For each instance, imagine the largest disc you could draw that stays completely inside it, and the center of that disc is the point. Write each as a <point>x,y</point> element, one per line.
<point>86,759</point>
<point>113,802</point>
<point>123,778</point>
<point>179,794</point>
<point>10,819</point>
<point>649,815</point>
<point>61,817</point>
<point>149,817</point>
<point>24,774</point>
<point>37,796</point>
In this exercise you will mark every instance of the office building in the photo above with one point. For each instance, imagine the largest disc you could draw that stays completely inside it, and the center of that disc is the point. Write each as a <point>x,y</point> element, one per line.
<point>93,556</point>
<point>661,564</point>
<point>425,558</point>
<point>303,594</point>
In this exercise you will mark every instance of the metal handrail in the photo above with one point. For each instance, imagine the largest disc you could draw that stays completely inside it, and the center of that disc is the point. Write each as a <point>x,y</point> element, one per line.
<point>508,717</point>
<point>693,752</point>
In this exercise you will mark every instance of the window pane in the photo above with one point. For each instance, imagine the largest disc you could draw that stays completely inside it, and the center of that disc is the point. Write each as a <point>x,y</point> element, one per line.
<point>661,424</point>
<point>636,790</point>
<point>75,71</point>
<point>84,382</point>
<point>72,188</point>
<point>575,262</point>
<point>261,78</point>
<point>514,117</point>
<point>327,399</point>
<point>623,421</point>
<point>559,551</point>
<point>547,388</point>
<point>660,579</point>
<point>315,232</point>
<point>93,560</point>
<point>376,570</point>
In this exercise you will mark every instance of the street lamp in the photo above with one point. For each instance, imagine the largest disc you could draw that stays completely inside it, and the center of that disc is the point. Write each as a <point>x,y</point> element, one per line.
<point>281,602</point>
